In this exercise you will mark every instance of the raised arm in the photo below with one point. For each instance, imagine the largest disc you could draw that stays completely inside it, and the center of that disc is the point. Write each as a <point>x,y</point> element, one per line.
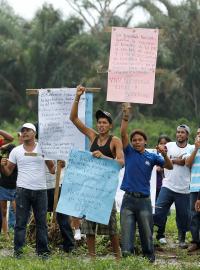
<point>119,151</point>
<point>124,124</point>
<point>7,136</point>
<point>89,132</point>
<point>189,161</point>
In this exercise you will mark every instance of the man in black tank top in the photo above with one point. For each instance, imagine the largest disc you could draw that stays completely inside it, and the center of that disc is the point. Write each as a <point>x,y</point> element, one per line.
<point>103,145</point>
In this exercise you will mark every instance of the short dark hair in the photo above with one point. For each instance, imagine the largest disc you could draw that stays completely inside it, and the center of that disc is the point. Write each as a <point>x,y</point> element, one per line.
<point>140,132</point>
<point>163,136</point>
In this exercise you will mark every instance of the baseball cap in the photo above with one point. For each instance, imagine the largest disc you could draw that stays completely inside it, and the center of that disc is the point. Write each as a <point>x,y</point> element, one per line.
<point>28,125</point>
<point>184,127</point>
<point>104,114</point>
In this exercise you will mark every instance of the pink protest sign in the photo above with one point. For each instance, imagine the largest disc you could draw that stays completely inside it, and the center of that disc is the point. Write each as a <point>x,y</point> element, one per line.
<point>132,65</point>
<point>133,87</point>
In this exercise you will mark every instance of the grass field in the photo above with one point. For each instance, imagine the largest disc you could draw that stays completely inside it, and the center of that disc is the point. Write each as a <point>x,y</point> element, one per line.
<point>167,257</point>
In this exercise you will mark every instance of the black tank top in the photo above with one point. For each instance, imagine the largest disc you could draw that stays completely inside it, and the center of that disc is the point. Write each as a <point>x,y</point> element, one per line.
<point>105,149</point>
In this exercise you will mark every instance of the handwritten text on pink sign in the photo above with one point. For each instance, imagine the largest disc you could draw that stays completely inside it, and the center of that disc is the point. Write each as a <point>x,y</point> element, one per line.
<point>132,62</point>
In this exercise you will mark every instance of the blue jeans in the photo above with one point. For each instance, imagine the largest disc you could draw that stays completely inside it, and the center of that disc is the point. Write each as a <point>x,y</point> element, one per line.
<point>25,199</point>
<point>195,219</point>
<point>63,222</point>
<point>182,204</point>
<point>136,210</point>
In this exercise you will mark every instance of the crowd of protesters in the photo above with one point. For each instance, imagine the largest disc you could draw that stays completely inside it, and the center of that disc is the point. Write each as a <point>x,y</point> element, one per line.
<point>27,181</point>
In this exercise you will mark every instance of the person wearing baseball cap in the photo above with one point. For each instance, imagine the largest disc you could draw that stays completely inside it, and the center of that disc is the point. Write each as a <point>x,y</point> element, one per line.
<point>103,145</point>
<point>185,127</point>
<point>31,189</point>
<point>28,126</point>
<point>175,187</point>
<point>103,114</point>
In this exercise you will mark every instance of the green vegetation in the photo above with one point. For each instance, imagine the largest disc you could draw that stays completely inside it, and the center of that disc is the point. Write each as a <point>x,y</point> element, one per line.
<point>152,126</point>
<point>155,127</point>
<point>169,258</point>
<point>50,51</point>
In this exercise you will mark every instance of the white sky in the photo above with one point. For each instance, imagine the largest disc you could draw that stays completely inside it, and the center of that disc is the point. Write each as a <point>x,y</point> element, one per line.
<point>27,8</point>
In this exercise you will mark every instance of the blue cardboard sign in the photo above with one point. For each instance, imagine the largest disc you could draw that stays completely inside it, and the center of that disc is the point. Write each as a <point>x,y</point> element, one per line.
<point>89,187</point>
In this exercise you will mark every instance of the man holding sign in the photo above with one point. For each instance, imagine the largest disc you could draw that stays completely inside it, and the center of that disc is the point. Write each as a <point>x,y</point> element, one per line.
<point>136,204</point>
<point>103,145</point>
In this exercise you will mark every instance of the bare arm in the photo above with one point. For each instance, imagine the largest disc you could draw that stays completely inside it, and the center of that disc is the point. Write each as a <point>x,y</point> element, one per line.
<point>179,161</point>
<point>7,167</point>
<point>7,136</point>
<point>189,161</point>
<point>89,132</point>
<point>124,124</point>
<point>119,151</point>
<point>168,163</point>
<point>50,166</point>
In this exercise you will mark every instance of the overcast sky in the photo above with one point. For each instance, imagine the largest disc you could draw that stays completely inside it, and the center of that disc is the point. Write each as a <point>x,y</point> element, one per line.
<point>27,8</point>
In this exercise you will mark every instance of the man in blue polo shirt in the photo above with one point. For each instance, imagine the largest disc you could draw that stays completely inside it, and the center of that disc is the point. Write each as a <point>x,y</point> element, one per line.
<point>193,161</point>
<point>136,204</point>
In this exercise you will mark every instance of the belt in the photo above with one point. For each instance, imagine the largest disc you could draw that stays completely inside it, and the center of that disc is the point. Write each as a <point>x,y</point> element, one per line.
<point>137,194</point>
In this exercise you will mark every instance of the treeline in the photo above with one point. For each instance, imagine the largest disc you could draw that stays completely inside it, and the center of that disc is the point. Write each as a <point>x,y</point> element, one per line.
<point>50,51</point>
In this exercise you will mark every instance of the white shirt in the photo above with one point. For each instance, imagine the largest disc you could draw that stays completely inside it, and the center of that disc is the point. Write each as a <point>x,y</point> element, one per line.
<point>31,169</point>
<point>178,179</point>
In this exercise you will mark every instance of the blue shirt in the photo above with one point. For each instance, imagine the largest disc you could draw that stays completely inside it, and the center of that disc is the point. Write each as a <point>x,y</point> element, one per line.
<point>195,172</point>
<point>138,168</point>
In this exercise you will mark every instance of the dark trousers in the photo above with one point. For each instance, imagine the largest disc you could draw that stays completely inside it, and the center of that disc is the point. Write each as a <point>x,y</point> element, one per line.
<point>63,222</point>
<point>25,199</point>
<point>161,229</point>
<point>137,210</point>
<point>195,219</point>
<point>182,203</point>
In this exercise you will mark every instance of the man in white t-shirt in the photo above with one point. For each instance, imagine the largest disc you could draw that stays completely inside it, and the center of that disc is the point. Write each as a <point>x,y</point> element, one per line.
<point>31,189</point>
<point>175,187</point>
